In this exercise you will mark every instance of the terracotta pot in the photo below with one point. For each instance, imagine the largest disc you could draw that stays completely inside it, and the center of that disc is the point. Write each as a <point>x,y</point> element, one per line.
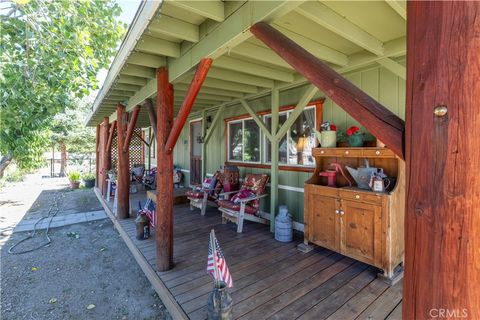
<point>74,184</point>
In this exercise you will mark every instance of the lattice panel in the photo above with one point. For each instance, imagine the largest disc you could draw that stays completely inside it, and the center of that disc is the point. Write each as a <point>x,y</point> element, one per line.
<point>136,150</point>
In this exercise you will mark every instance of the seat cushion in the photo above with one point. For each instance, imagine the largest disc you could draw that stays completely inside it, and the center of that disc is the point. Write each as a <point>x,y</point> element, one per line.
<point>236,206</point>
<point>194,194</point>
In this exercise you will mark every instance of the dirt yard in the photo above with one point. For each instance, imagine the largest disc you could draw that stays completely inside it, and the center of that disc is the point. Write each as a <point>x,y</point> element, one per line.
<point>86,273</point>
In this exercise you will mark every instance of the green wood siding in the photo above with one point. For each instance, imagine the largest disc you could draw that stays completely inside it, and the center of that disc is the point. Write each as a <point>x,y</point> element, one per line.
<point>378,82</point>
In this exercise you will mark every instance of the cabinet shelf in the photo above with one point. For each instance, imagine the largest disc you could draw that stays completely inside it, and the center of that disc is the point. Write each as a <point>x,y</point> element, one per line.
<point>362,224</point>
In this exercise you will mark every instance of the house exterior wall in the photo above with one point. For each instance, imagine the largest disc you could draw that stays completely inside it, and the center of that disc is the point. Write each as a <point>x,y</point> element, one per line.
<point>378,82</point>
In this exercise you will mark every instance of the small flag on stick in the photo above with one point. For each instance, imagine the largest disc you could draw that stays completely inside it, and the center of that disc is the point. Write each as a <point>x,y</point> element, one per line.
<point>216,264</point>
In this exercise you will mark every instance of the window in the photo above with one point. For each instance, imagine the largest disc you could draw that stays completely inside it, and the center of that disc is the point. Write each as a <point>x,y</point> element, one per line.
<point>243,141</point>
<point>296,146</point>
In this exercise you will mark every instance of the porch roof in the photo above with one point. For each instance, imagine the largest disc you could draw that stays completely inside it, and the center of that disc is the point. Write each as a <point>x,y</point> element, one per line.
<point>177,34</point>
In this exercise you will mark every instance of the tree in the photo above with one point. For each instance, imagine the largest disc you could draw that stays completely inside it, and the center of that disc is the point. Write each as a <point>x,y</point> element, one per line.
<point>50,54</point>
<point>70,134</point>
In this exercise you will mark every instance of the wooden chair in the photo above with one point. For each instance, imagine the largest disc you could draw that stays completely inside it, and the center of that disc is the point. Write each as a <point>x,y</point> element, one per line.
<point>203,195</point>
<point>245,204</point>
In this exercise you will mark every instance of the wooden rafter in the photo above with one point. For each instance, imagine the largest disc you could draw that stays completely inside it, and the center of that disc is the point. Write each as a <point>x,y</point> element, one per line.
<point>187,104</point>
<point>377,119</point>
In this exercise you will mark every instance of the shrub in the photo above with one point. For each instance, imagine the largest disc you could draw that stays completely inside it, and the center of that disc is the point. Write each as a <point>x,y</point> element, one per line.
<point>88,176</point>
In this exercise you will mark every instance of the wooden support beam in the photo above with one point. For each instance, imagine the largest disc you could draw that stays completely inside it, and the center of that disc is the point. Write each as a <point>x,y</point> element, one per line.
<point>187,104</point>
<point>331,20</point>
<point>310,92</point>
<point>209,9</point>
<point>152,117</point>
<point>442,239</point>
<point>210,130</point>
<point>126,87</point>
<point>399,6</point>
<point>259,53</point>
<point>146,60</point>
<point>131,127</point>
<point>257,119</point>
<point>204,145</point>
<point>394,67</point>
<point>123,170</point>
<point>377,119</point>
<point>214,91</point>
<point>106,158</point>
<point>157,46</point>
<point>132,80</point>
<point>113,127</point>
<point>141,138</point>
<point>97,155</point>
<point>138,71</point>
<point>164,212</point>
<point>274,143</point>
<point>255,69</point>
<point>165,25</point>
<point>145,92</point>
<point>240,77</point>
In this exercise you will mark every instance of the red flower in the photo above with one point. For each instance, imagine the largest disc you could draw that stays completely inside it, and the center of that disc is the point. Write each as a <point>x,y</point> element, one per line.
<point>333,127</point>
<point>352,130</point>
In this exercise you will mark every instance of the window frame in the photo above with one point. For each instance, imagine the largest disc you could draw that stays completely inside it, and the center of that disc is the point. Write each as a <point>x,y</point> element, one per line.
<point>317,104</point>
<point>227,138</point>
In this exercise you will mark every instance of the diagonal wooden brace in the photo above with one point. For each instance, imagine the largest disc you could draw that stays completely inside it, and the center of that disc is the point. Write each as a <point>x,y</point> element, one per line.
<point>131,128</point>
<point>152,117</point>
<point>113,127</point>
<point>187,104</point>
<point>377,119</point>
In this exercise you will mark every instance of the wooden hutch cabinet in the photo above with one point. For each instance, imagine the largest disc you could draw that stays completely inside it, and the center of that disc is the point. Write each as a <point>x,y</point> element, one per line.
<point>365,225</point>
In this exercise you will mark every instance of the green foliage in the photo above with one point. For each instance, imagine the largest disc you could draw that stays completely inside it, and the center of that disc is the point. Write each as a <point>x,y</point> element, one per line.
<point>50,53</point>
<point>74,176</point>
<point>69,128</point>
<point>88,176</point>
<point>15,176</point>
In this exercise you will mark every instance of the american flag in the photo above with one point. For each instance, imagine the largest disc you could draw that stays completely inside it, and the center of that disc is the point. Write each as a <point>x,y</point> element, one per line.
<point>223,274</point>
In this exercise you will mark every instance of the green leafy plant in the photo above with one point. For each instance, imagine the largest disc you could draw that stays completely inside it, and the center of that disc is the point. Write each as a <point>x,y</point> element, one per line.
<point>51,52</point>
<point>74,176</point>
<point>88,176</point>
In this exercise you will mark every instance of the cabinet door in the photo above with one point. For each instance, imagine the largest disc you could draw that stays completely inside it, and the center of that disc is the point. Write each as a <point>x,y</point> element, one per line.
<point>361,231</point>
<point>324,227</point>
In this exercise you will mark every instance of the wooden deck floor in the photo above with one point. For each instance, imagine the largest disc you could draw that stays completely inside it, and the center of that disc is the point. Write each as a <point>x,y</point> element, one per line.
<point>272,280</point>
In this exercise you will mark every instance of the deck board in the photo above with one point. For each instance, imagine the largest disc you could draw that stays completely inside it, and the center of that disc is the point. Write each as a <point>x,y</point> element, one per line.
<point>272,280</point>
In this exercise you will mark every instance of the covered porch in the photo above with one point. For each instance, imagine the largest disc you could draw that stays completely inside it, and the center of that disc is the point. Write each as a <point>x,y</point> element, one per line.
<point>272,280</point>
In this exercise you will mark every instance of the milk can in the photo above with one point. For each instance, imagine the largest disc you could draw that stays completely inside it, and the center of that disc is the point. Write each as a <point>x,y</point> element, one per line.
<point>219,303</point>
<point>142,226</point>
<point>283,225</point>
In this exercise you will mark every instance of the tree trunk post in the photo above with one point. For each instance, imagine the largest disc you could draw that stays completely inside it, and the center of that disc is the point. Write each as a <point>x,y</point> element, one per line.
<point>123,170</point>
<point>442,238</point>
<point>106,158</point>
<point>63,159</point>
<point>97,155</point>
<point>164,209</point>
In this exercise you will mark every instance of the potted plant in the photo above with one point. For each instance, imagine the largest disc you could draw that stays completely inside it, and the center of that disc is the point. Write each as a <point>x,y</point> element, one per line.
<point>355,137</point>
<point>328,135</point>
<point>89,180</point>
<point>74,177</point>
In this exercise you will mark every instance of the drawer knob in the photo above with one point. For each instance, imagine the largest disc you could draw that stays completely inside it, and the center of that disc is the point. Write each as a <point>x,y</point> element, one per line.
<point>322,152</point>
<point>347,152</point>
<point>357,196</point>
<point>342,212</point>
<point>337,211</point>
<point>377,152</point>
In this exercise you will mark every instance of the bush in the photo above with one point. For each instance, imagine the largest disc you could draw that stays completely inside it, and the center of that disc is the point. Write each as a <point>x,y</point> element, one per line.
<point>74,176</point>
<point>15,176</point>
<point>88,176</point>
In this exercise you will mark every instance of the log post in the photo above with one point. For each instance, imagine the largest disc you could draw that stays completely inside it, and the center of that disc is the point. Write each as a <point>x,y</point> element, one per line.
<point>113,128</point>
<point>131,127</point>
<point>123,170</point>
<point>164,209</point>
<point>442,238</point>
<point>106,158</point>
<point>152,117</point>
<point>377,119</point>
<point>97,155</point>
<point>187,104</point>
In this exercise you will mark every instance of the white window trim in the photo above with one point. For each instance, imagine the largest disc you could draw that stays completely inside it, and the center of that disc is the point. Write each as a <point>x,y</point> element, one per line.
<point>242,121</point>
<point>286,164</point>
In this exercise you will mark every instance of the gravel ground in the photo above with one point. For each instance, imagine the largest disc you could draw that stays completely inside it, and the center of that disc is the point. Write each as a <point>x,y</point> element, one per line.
<point>86,273</point>
<point>87,264</point>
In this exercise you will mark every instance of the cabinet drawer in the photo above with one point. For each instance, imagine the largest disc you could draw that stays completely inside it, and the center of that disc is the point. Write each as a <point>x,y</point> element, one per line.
<point>361,196</point>
<point>322,190</point>
<point>351,153</point>
<point>380,152</point>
